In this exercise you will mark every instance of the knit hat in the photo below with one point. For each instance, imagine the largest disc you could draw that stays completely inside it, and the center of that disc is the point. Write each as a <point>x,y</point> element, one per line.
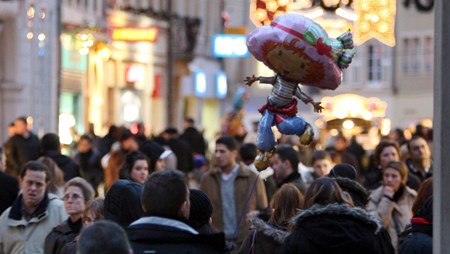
<point>201,208</point>
<point>343,170</point>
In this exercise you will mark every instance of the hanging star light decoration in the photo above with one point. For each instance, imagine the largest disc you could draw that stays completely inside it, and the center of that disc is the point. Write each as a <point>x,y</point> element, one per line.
<point>376,19</point>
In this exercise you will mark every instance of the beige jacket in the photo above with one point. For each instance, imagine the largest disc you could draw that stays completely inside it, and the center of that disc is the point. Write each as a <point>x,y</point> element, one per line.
<point>391,213</point>
<point>18,236</point>
<point>210,184</point>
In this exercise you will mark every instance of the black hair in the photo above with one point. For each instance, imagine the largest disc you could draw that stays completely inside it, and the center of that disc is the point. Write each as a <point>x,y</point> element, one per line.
<point>164,193</point>
<point>103,237</point>
<point>35,166</point>
<point>227,141</point>
<point>288,153</point>
<point>50,142</point>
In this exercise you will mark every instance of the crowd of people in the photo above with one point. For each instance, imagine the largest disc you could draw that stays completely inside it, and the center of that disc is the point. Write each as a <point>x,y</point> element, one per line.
<point>129,193</point>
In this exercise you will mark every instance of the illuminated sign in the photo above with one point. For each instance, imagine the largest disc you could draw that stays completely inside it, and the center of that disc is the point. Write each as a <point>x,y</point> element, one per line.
<point>133,34</point>
<point>229,45</point>
<point>221,85</point>
<point>200,83</point>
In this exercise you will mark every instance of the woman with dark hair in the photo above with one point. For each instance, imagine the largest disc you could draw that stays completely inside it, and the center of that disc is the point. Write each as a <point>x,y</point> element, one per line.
<point>385,152</point>
<point>391,203</point>
<point>123,200</point>
<point>136,167</point>
<point>330,224</point>
<point>268,237</point>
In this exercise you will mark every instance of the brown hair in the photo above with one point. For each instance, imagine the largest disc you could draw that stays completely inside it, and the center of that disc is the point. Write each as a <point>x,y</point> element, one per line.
<point>85,187</point>
<point>56,174</point>
<point>325,191</point>
<point>382,145</point>
<point>95,206</point>
<point>285,203</point>
<point>425,191</point>
<point>400,167</point>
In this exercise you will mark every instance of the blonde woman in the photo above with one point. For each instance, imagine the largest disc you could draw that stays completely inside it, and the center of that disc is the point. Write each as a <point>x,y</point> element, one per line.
<point>392,202</point>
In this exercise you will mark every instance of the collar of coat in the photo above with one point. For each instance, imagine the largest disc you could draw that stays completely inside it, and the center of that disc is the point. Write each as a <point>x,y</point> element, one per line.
<point>337,209</point>
<point>15,214</point>
<point>244,171</point>
<point>165,222</point>
<point>278,234</point>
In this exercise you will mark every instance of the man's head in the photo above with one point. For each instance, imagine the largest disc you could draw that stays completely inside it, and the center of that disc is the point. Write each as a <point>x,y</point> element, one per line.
<point>225,153</point>
<point>284,162</point>
<point>34,179</point>
<point>321,163</point>
<point>418,149</point>
<point>188,122</point>
<point>85,144</point>
<point>11,129</point>
<point>165,194</point>
<point>21,126</point>
<point>103,237</point>
<point>340,143</point>
<point>50,142</point>
<point>128,142</point>
<point>248,153</point>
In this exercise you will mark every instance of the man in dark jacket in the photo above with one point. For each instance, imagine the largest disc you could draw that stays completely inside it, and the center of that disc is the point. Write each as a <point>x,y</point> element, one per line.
<point>193,137</point>
<point>89,160</point>
<point>10,189</point>
<point>20,148</point>
<point>164,227</point>
<point>284,163</point>
<point>51,147</point>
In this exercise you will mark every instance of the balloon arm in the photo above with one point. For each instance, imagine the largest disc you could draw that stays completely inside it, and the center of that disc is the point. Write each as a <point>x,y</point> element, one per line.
<point>306,99</point>
<point>268,80</point>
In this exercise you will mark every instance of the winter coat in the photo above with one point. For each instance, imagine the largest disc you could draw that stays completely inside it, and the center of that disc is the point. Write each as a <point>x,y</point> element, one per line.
<point>61,235</point>
<point>195,139</point>
<point>394,216</point>
<point>210,184</point>
<point>337,228</point>
<point>123,202</point>
<point>264,238</point>
<point>90,167</point>
<point>420,238</point>
<point>162,235</point>
<point>19,150</point>
<point>10,189</point>
<point>17,235</point>
<point>68,166</point>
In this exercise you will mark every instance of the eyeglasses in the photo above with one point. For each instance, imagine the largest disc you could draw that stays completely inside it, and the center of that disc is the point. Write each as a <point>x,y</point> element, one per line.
<point>74,196</point>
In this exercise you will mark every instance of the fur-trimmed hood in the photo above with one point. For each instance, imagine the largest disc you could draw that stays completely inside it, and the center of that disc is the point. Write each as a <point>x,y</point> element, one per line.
<point>337,228</point>
<point>277,233</point>
<point>338,209</point>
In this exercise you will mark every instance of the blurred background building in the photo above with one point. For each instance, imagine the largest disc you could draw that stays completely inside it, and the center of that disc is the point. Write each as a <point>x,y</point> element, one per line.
<point>71,63</point>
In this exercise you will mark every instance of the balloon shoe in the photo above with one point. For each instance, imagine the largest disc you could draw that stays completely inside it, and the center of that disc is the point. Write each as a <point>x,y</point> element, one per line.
<point>262,160</point>
<point>307,136</point>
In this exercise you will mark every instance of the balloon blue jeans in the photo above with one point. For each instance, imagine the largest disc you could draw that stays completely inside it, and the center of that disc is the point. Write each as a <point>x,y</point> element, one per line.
<point>287,125</point>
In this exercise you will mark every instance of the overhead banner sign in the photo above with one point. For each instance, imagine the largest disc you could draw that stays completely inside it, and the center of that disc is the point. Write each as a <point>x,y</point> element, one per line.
<point>133,34</point>
<point>229,46</point>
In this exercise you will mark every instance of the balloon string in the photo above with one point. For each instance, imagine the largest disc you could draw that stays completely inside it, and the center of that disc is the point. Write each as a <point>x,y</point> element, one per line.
<point>245,208</point>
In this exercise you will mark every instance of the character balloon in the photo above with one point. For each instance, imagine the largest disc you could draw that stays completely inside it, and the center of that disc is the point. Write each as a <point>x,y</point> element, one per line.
<point>298,50</point>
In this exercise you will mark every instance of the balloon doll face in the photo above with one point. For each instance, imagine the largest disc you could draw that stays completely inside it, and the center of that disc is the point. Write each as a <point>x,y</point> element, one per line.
<point>291,62</point>
<point>288,63</point>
